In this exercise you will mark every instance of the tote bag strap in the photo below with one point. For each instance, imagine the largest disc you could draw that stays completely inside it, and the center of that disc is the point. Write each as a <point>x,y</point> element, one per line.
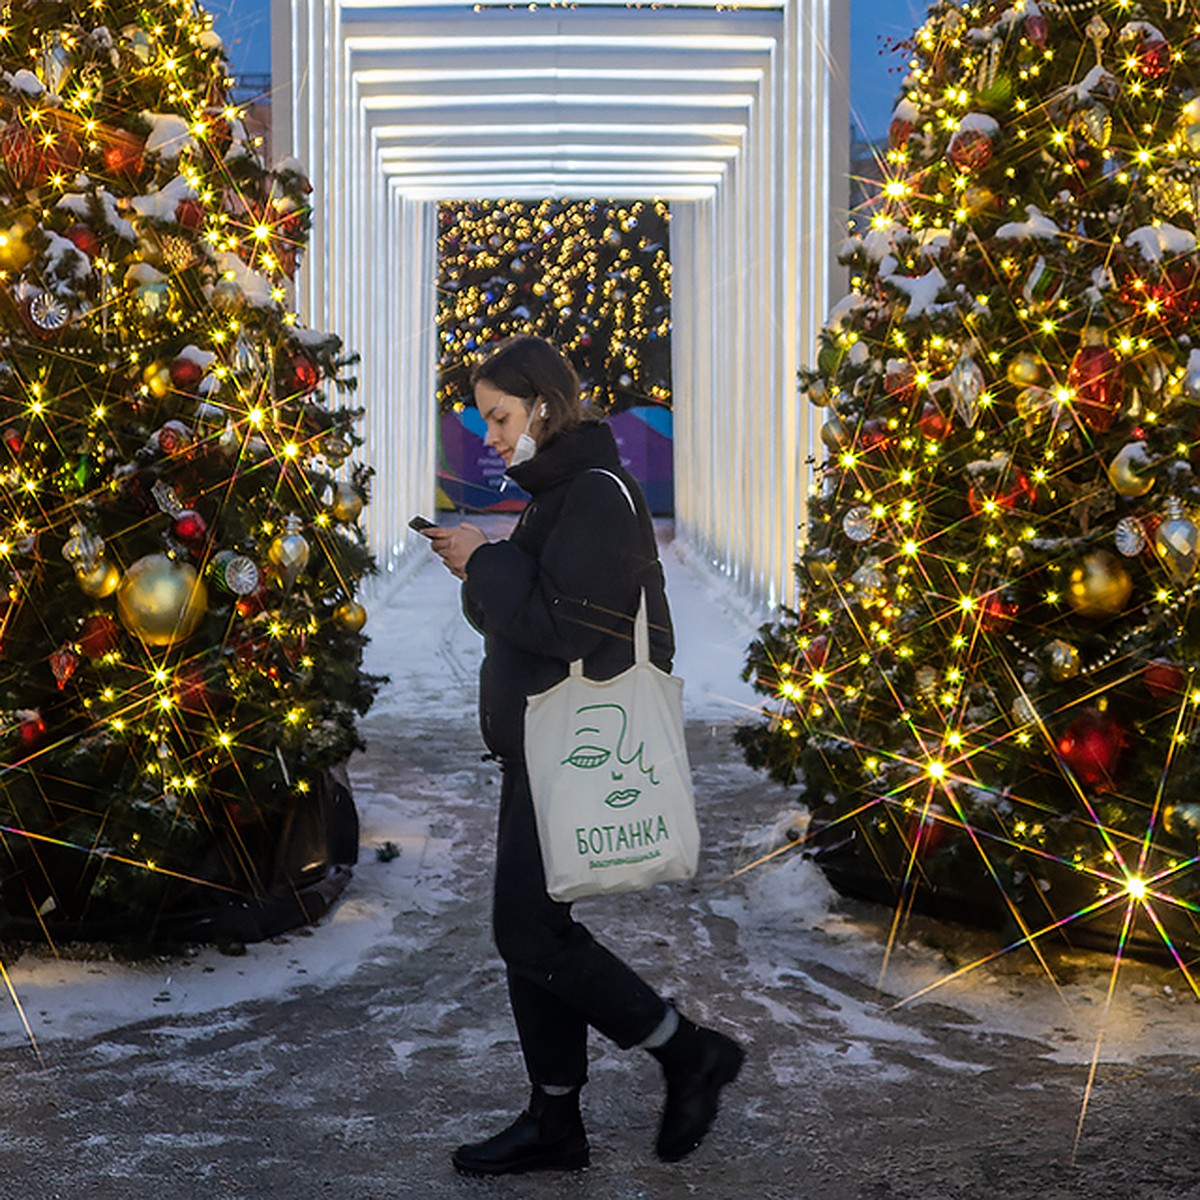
<point>641,626</point>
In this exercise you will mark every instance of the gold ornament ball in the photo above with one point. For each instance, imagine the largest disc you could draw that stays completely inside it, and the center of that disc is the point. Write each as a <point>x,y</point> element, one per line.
<point>350,616</point>
<point>821,571</point>
<point>161,601</point>
<point>1063,659</point>
<point>15,252</point>
<point>1100,586</point>
<point>1033,405</point>
<point>157,377</point>
<point>101,580</point>
<point>1025,370</point>
<point>347,503</point>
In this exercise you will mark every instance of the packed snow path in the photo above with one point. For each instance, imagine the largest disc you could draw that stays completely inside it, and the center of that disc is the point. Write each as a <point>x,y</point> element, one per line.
<point>348,1060</point>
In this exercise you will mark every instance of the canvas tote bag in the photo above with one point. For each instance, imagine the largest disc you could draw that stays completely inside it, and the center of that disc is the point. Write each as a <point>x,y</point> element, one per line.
<point>610,778</point>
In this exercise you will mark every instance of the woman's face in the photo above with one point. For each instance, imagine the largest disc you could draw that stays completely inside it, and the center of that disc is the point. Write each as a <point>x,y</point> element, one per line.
<point>506,416</point>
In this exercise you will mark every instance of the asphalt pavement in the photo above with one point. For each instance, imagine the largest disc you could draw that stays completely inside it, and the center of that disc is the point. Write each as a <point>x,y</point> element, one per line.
<point>359,1088</point>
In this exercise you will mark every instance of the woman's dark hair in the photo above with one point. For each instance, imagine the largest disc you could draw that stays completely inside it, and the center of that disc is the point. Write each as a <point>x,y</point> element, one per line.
<point>530,367</point>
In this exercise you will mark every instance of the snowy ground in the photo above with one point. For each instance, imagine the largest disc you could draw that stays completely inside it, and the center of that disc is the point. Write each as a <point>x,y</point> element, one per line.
<point>384,1029</point>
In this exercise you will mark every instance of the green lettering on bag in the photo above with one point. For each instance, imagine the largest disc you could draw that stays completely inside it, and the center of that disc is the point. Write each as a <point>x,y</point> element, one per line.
<point>613,839</point>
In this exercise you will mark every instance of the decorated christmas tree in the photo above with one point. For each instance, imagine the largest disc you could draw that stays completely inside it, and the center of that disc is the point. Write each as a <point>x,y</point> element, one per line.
<point>180,655</point>
<point>988,687</point>
<point>594,278</point>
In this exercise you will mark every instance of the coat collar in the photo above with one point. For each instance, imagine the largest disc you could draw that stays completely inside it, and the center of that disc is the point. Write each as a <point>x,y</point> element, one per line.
<point>580,448</point>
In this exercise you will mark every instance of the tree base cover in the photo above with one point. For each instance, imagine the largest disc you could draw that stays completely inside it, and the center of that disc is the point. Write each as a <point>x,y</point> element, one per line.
<point>302,864</point>
<point>919,858</point>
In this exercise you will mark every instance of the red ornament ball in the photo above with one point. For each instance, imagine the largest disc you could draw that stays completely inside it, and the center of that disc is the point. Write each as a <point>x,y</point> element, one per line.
<point>1163,679</point>
<point>1019,493</point>
<point>191,690</point>
<point>174,437</point>
<point>19,153</point>
<point>970,149</point>
<point>997,613</point>
<point>14,439</point>
<point>190,214</point>
<point>189,526</point>
<point>84,239</point>
<point>32,728</point>
<point>98,635</point>
<point>900,130</point>
<point>186,373</point>
<point>817,652</point>
<point>124,158</point>
<point>1091,748</point>
<point>933,423</point>
<point>1154,59</point>
<point>305,373</point>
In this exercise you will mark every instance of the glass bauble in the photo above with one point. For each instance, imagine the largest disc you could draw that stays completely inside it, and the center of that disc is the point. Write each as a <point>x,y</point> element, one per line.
<point>859,525</point>
<point>235,573</point>
<point>290,551</point>
<point>1177,543</point>
<point>1095,378</point>
<point>966,386</point>
<point>1130,537</point>
<point>1163,679</point>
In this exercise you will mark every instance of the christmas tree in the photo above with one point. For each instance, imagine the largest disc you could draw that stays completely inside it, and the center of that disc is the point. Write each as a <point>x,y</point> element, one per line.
<point>988,686</point>
<point>180,656</point>
<point>592,277</point>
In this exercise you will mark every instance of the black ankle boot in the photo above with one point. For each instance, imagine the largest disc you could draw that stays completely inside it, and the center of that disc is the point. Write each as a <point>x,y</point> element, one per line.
<point>697,1063</point>
<point>547,1136</point>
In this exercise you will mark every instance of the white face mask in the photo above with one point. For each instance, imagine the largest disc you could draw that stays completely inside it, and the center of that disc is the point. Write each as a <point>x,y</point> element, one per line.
<point>526,447</point>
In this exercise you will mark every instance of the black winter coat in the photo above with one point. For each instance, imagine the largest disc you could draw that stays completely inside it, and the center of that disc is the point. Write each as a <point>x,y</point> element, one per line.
<point>566,584</point>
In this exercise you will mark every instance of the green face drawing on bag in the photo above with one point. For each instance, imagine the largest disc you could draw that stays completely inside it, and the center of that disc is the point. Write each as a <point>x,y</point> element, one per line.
<point>600,744</point>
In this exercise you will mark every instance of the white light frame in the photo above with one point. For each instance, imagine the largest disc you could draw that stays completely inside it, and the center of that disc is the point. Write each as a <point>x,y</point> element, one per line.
<point>738,117</point>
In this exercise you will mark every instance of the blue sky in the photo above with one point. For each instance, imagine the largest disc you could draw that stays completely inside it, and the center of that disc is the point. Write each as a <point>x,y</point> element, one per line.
<point>245,27</point>
<point>875,73</point>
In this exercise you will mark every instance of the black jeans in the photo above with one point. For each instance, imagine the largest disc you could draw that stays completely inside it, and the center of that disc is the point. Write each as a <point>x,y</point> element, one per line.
<point>560,979</point>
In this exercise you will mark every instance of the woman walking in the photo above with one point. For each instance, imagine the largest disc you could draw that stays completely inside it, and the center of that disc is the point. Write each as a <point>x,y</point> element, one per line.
<point>565,586</point>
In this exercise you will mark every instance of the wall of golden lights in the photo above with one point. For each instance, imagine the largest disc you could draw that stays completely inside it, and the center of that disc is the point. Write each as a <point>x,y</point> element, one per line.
<point>737,116</point>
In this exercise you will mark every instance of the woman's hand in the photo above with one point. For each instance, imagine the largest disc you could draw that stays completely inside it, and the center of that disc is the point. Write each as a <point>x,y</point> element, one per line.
<point>456,545</point>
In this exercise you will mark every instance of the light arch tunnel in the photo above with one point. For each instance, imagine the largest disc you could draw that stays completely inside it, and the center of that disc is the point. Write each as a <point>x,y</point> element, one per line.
<point>737,116</point>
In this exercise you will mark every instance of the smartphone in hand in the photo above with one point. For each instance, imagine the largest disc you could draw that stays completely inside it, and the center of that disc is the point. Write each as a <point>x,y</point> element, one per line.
<point>419,523</point>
